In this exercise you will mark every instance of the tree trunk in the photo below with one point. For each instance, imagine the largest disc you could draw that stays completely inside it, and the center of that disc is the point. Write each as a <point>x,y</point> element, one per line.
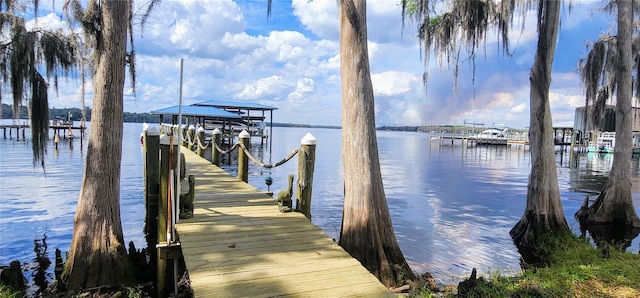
<point>543,213</point>
<point>614,204</point>
<point>367,232</point>
<point>98,255</point>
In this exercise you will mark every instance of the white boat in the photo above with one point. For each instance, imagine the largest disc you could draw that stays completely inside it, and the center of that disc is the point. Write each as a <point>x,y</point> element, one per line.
<point>606,143</point>
<point>491,136</point>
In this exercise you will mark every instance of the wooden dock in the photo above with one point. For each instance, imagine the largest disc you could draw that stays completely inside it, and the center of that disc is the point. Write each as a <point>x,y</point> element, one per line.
<point>239,245</point>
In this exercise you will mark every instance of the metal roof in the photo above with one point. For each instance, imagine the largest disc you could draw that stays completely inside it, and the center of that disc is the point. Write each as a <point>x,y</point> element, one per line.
<point>235,105</point>
<point>200,111</point>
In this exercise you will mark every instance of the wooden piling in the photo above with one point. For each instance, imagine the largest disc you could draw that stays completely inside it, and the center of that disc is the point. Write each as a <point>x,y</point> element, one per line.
<point>192,137</point>
<point>215,154</point>
<point>200,141</point>
<point>166,164</point>
<point>306,164</point>
<point>151,154</point>
<point>56,139</point>
<point>243,160</point>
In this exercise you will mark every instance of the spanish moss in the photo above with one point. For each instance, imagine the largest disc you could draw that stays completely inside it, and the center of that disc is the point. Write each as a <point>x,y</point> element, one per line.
<point>39,123</point>
<point>463,28</point>
<point>24,57</point>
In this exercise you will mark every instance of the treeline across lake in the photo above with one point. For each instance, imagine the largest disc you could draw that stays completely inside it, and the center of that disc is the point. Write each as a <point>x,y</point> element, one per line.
<point>76,114</point>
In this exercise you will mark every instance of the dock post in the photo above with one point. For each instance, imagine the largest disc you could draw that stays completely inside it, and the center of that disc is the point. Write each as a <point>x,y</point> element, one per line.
<point>215,154</point>
<point>200,141</point>
<point>243,161</point>
<point>163,279</point>
<point>151,151</point>
<point>191,130</point>
<point>306,164</point>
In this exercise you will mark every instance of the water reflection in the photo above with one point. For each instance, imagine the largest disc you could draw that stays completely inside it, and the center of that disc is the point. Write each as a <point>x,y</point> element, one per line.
<point>618,237</point>
<point>452,206</point>
<point>41,263</point>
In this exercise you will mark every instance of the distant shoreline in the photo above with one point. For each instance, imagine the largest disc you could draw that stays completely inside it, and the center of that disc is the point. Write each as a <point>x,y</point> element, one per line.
<point>62,113</point>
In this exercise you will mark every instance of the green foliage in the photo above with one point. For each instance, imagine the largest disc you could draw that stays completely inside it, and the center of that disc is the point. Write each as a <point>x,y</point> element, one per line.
<point>576,269</point>
<point>9,292</point>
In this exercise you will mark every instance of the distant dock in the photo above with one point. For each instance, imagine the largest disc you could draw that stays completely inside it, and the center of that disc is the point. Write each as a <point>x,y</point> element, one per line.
<point>61,129</point>
<point>12,127</point>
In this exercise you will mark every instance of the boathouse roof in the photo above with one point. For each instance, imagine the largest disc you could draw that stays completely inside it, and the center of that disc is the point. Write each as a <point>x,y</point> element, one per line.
<point>236,105</point>
<point>198,111</point>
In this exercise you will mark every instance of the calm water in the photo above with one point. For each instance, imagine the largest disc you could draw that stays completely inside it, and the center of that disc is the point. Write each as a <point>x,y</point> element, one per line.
<point>452,207</point>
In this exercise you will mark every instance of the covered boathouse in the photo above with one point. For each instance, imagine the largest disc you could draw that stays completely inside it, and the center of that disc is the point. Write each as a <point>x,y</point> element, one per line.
<point>230,117</point>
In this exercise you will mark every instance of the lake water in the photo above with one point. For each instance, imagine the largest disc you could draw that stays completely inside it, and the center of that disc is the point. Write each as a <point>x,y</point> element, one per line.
<point>452,207</point>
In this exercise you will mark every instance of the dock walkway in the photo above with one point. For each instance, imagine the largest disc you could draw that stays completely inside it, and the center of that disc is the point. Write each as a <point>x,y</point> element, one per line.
<point>239,245</point>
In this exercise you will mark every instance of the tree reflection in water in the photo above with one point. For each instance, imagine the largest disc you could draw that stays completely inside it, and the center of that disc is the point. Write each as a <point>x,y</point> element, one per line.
<point>40,265</point>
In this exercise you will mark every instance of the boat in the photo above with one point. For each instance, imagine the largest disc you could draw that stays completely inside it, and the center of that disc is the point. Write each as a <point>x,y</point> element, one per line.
<point>606,143</point>
<point>492,136</point>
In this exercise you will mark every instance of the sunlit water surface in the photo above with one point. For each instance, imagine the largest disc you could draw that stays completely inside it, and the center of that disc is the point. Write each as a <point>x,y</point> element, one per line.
<point>452,206</point>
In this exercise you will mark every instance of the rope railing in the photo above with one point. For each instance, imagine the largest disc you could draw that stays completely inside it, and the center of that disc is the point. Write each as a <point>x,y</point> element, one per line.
<point>223,152</point>
<point>190,142</point>
<point>305,153</point>
<point>199,141</point>
<point>269,166</point>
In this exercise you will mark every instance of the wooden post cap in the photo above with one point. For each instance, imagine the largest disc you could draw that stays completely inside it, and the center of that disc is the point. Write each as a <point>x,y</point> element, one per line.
<point>152,131</point>
<point>191,127</point>
<point>244,134</point>
<point>217,131</point>
<point>308,139</point>
<point>200,129</point>
<point>164,140</point>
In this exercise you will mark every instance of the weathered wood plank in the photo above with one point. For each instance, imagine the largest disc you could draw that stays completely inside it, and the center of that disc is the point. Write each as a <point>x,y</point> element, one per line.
<point>239,245</point>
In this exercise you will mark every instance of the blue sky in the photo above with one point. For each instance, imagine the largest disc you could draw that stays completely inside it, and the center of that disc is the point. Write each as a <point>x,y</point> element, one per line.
<point>291,61</point>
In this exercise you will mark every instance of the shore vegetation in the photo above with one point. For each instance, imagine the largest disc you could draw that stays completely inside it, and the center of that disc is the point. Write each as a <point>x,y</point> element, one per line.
<point>573,268</point>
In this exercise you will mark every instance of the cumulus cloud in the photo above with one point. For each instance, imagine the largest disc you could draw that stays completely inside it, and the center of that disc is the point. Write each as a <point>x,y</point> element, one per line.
<point>292,62</point>
<point>318,16</point>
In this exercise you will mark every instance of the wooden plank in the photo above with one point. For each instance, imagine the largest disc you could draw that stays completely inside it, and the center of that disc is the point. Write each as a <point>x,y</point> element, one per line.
<point>239,245</point>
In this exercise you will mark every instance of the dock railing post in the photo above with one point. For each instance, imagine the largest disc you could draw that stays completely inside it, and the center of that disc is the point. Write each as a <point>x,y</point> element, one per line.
<point>192,137</point>
<point>215,154</point>
<point>306,164</point>
<point>200,141</point>
<point>243,160</point>
<point>163,279</point>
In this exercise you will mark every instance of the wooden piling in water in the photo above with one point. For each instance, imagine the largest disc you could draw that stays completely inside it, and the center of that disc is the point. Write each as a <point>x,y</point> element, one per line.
<point>306,164</point>
<point>243,160</point>
<point>215,154</point>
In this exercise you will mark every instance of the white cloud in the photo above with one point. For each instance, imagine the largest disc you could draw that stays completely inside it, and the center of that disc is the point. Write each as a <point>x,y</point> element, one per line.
<point>292,62</point>
<point>318,16</point>
<point>392,83</point>
<point>50,21</point>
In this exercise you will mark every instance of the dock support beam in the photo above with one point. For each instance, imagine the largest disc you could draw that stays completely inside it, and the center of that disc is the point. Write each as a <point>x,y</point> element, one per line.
<point>243,160</point>
<point>215,154</point>
<point>306,164</point>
